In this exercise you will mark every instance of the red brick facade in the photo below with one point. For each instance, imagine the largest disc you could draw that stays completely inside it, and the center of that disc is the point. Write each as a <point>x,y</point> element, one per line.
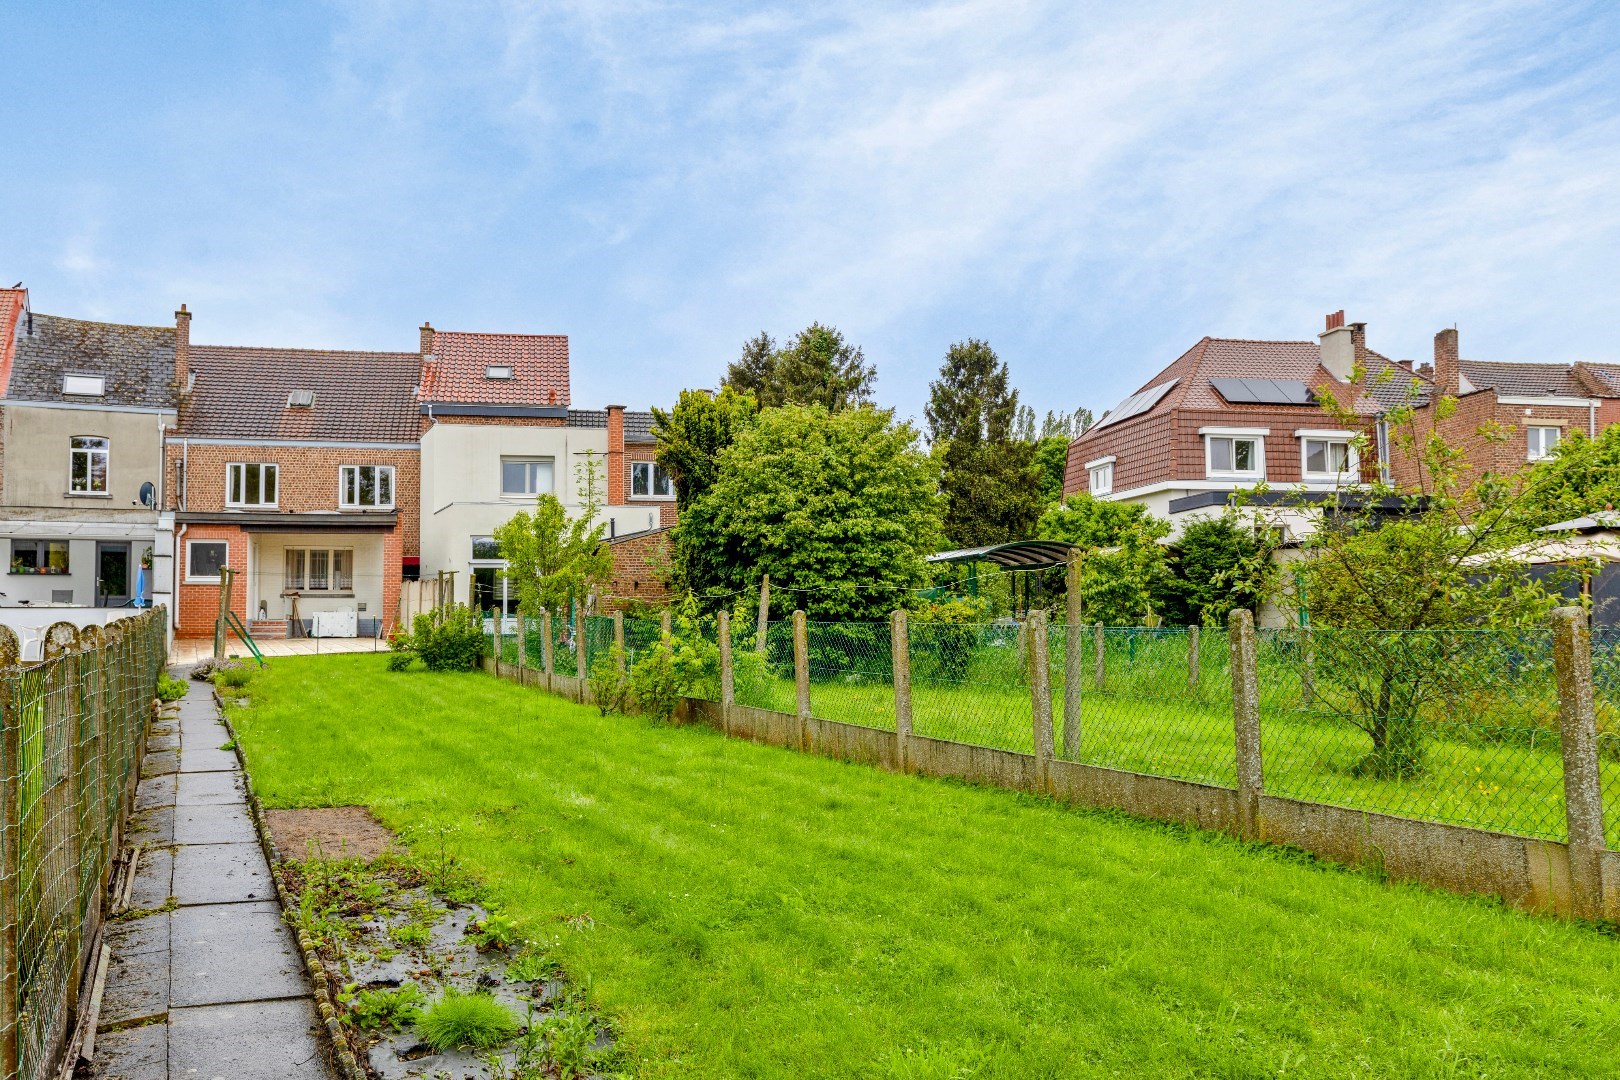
<point>639,563</point>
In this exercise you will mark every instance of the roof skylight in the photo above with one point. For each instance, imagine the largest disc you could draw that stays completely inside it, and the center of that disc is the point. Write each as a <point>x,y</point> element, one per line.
<point>301,399</point>
<point>84,385</point>
<point>498,371</point>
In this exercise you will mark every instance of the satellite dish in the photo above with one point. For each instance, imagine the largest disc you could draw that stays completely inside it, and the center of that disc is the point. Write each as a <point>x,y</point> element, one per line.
<point>148,495</point>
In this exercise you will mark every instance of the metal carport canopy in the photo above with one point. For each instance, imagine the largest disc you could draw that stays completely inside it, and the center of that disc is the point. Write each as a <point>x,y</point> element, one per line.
<point>1017,555</point>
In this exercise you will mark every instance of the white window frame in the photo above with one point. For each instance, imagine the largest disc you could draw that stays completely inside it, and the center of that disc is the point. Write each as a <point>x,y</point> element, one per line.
<point>1530,431</point>
<point>304,557</point>
<point>272,466</point>
<point>1254,435</point>
<point>104,451</point>
<point>1352,467</point>
<point>1103,467</point>
<point>656,470</point>
<point>345,472</point>
<point>194,579</point>
<point>525,460</point>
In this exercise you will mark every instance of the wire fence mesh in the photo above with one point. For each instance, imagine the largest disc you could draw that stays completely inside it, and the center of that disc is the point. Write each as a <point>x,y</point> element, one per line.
<point>72,727</point>
<point>851,673</point>
<point>970,684</point>
<point>1606,695</point>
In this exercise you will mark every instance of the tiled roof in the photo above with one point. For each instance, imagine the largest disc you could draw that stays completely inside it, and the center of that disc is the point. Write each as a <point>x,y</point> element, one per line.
<point>137,362</point>
<point>1520,378</point>
<point>637,425</point>
<point>241,392</point>
<point>12,302</point>
<point>1601,379</point>
<point>455,371</point>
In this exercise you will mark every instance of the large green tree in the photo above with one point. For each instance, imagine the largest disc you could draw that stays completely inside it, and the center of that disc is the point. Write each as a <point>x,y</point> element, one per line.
<point>993,490</point>
<point>818,367</point>
<point>1123,569</point>
<point>839,508</point>
<point>1582,476</point>
<point>693,433</point>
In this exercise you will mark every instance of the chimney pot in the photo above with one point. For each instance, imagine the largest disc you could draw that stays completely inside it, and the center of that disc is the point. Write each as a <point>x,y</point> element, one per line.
<point>1335,319</point>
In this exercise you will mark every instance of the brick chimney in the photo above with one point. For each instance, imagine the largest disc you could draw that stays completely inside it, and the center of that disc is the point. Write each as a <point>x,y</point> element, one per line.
<point>1447,369</point>
<point>616,471</point>
<point>427,339</point>
<point>1337,346</point>
<point>182,349</point>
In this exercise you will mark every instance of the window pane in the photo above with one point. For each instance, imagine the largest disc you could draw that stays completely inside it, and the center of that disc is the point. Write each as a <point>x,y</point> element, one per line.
<point>639,484</point>
<point>205,559</point>
<point>512,477</point>
<point>295,570</point>
<point>317,569</point>
<point>81,471</point>
<point>1316,460</point>
<point>98,470</point>
<point>234,476</point>
<point>268,491</point>
<point>542,478</point>
<point>56,555</point>
<point>661,484</point>
<point>385,487</point>
<point>1220,455</point>
<point>343,569</point>
<point>346,485</point>
<point>367,486</point>
<point>1339,456</point>
<point>250,483</point>
<point>1243,455</point>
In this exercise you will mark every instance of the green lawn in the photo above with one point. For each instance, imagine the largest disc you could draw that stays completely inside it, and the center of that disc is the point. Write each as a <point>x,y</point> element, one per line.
<point>745,911</point>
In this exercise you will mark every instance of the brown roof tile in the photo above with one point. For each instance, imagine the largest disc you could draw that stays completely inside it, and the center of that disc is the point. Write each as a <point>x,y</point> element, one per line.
<point>455,371</point>
<point>241,392</point>
<point>1520,378</point>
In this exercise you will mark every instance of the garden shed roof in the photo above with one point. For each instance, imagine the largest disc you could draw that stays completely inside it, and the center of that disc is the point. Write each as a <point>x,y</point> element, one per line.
<point>1017,555</point>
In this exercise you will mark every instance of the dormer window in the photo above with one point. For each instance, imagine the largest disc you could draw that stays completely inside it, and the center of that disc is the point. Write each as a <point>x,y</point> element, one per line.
<point>84,385</point>
<point>301,399</point>
<point>498,371</point>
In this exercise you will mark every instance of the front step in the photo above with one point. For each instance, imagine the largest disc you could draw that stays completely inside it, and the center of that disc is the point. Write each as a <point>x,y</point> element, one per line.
<point>268,628</point>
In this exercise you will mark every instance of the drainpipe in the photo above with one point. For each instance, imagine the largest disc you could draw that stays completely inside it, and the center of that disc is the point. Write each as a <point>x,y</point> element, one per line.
<point>1591,418</point>
<point>179,568</point>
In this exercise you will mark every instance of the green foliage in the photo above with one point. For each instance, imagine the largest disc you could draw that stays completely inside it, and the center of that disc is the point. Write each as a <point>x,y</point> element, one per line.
<point>1124,567</point>
<point>1218,565</point>
<point>610,684</point>
<point>824,502</point>
<point>235,675</point>
<point>459,1020</point>
<point>658,682</point>
<point>531,965</point>
<point>382,1009</point>
<point>449,639</point>
<point>494,931</point>
<point>552,557</point>
<point>1051,463</point>
<point>818,367</point>
<point>952,637</point>
<point>171,689</point>
<point>412,935</point>
<point>687,663</point>
<point>693,433</point>
<point>1581,477</point>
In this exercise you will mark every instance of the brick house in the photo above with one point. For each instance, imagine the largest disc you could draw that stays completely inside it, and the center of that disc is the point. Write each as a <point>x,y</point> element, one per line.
<point>1231,413</point>
<point>299,469</point>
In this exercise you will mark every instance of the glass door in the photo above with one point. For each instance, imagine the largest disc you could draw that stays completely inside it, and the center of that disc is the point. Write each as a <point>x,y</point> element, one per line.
<point>113,578</point>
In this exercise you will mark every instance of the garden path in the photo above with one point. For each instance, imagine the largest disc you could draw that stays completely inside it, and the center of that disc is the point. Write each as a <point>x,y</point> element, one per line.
<point>205,979</point>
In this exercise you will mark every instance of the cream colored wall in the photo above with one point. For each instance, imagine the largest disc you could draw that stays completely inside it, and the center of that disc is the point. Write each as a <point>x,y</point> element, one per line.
<point>36,457</point>
<point>267,567</point>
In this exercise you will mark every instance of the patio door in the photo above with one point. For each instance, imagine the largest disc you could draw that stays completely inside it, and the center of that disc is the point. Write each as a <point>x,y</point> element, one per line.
<point>113,578</point>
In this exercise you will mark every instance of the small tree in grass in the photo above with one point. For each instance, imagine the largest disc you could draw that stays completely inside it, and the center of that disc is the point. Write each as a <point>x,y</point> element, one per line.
<point>552,558</point>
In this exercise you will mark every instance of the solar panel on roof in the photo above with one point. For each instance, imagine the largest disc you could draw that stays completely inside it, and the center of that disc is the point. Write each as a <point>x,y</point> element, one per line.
<point>1263,391</point>
<point>1138,403</point>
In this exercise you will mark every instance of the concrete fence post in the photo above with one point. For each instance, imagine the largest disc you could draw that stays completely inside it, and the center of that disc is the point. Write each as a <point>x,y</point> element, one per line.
<point>522,639</point>
<point>619,657</point>
<point>1040,690</point>
<point>665,629</point>
<point>581,621</point>
<point>728,684</point>
<point>1194,663</point>
<point>1073,634</point>
<point>900,652</point>
<point>495,637</point>
<point>1246,722</point>
<point>801,671</point>
<point>764,613</point>
<point>1583,788</point>
<point>545,644</point>
<point>1100,657</point>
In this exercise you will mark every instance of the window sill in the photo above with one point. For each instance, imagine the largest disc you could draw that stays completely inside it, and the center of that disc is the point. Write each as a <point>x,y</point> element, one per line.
<point>316,594</point>
<point>252,506</point>
<point>89,495</point>
<point>652,498</point>
<point>1234,476</point>
<point>39,573</point>
<point>362,509</point>
<point>202,581</point>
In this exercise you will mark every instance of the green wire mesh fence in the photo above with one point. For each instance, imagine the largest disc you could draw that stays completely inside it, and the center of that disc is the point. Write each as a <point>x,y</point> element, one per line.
<point>851,673</point>
<point>72,727</point>
<point>970,684</point>
<point>1606,694</point>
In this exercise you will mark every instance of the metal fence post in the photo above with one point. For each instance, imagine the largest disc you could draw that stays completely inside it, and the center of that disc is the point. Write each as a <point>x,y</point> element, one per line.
<point>1040,689</point>
<point>1073,635</point>
<point>1100,657</point>
<point>900,650</point>
<point>801,671</point>
<point>1246,722</point>
<point>619,658</point>
<point>1583,791</point>
<point>1194,667</point>
<point>728,689</point>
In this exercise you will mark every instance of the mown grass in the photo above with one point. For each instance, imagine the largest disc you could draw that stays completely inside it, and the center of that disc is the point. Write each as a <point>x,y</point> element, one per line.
<point>745,911</point>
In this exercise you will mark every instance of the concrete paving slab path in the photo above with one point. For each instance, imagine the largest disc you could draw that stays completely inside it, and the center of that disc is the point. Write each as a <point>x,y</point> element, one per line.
<point>205,979</point>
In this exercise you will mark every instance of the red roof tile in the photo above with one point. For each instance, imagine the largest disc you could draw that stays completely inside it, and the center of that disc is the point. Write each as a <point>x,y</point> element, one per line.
<point>455,372</point>
<point>12,303</point>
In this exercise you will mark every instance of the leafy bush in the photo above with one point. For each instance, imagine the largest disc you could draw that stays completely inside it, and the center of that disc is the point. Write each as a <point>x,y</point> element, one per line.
<point>656,682</point>
<point>234,675</point>
<point>688,663</point>
<point>948,634</point>
<point>451,639</point>
<point>382,1009</point>
<point>462,1020</point>
<point>493,932</point>
<point>170,689</point>
<point>610,684</point>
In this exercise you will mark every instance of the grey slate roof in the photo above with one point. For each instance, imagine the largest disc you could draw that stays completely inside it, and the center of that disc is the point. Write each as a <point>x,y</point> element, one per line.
<point>136,361</point>
<point>241,392</point>
<point>637,425</point>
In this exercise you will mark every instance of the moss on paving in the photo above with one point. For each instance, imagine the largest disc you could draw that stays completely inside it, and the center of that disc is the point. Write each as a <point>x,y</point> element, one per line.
<point>745,911</point>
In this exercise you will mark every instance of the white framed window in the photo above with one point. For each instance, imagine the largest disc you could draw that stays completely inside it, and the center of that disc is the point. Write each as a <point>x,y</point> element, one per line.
<point>1542,439</point>
<point>39,556</point>
<point>319,570</point>
<point>1328,455</point>
<point>84,385</point>
<point>1100,475</point>
<point>648,480</point>
<point>205,558</point>
<point>88,458</point>
<point>250,484</point>
<point>486,549</point>
<point>1234,453</point>
<point>366,487</point>
<point>526,477</point>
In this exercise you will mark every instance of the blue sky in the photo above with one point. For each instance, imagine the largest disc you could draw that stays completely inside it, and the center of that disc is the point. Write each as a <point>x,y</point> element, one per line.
<point>1089,188</point>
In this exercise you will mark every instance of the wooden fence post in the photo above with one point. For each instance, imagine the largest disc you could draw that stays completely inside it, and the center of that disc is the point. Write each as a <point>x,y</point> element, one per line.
<point>900,651</point>
<point>764,613</point>
<point>1040,689</point>
<point>1073,635</point>
<point>1246,722</point>
<point>1583,791</point>
<point>801,672</point>
<point>728,689</point>
<point>1195,669</point>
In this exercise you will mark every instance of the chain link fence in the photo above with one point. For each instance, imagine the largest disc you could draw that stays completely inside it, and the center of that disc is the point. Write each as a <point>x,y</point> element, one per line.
<point>72,726</point>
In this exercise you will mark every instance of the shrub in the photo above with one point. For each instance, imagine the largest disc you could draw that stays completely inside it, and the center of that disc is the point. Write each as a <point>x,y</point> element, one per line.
<point>945,637</point>
<point>656,682</point>
<point>610,684</point>
<point>235,675</point>
<point>382,1008</point>
<point>451,639</point>
<point>170,689</point>
<point>470,1021</point>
